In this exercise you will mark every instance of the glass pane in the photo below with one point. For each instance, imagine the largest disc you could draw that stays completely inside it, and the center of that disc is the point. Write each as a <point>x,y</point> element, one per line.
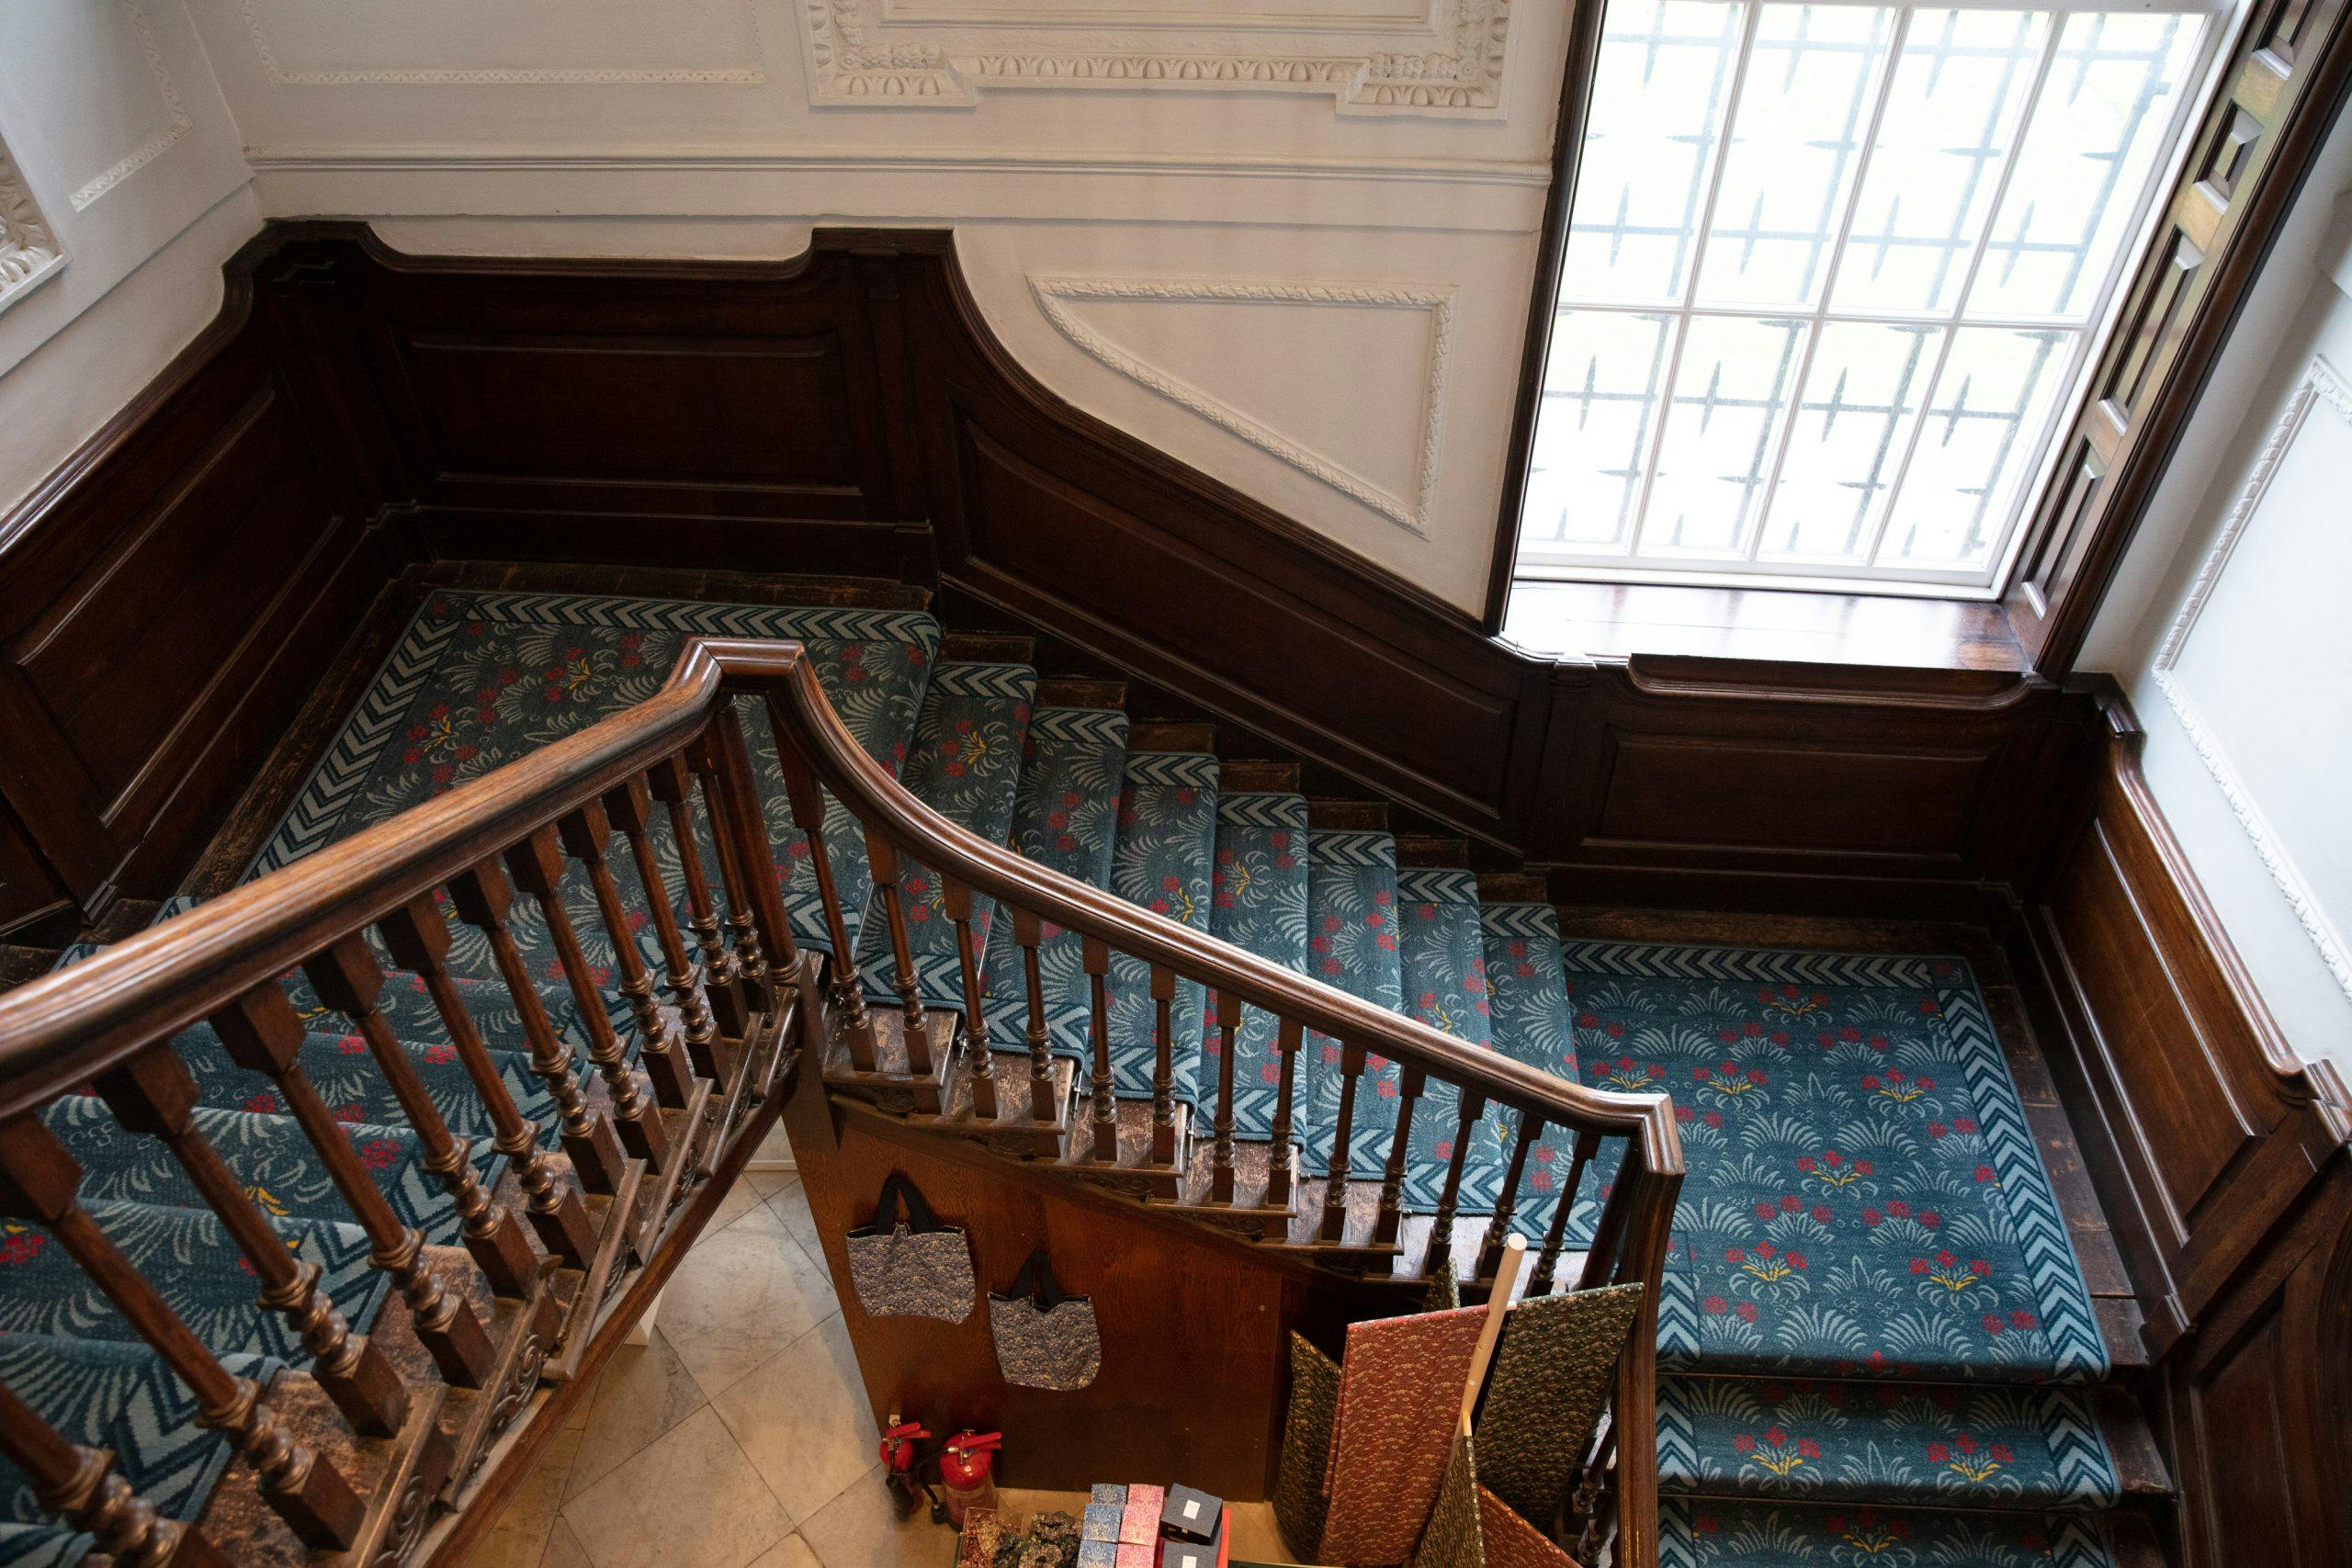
<point>1960,86</point>
<point>1848,439</point>
<point>2100,124</point>
<point>1664,73</point>
<point>1796,143</point>
<point>1981,434</point>
<point>1728,395</point>
<point>1601,387</point>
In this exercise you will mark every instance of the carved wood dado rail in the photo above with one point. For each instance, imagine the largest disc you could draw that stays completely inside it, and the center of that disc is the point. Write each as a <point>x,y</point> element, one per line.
<point>232,974</point>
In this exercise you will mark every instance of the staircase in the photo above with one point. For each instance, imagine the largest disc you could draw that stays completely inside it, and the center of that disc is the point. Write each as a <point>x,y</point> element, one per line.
<point>529,965</point>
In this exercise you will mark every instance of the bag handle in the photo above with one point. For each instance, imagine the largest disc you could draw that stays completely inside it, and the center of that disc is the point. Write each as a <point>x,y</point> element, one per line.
<point>1037,1282</point>
<point>899,1188</point>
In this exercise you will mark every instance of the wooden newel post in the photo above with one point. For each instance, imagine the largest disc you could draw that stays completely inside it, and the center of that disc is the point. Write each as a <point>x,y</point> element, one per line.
<point>40,1182</point>
<point>155,1094</point>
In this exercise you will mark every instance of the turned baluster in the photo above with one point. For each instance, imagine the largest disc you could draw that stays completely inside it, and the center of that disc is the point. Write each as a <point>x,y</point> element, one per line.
<point>672,785</point>
<point>958,899</point>
<point>1278,1168</point>
<point>583,834</point>
<point>82,1487</point>
<point>419,940</point>
<point>265,1034</point>
<point>734,876</point>
<point>755,849</point>
<point>1490,1251</point>
<point>1439,1257</point>
<point>155,1094</point>
<point>1228,1020</point>
<point>536,865</point>
<point>1601,1261</point>
<point>348,979</point>
<point>846,992</point>
<point>483,897</point>
<point>1392,1178</point>
<point>1547,1262</point>
<point>40,1181</point>
<point>1025,936</point>
<point>1335,1189</point>
<point>1163,1067</point>
<point>1105,1145</point>
<point>628,807</point>
<point>883,856</point>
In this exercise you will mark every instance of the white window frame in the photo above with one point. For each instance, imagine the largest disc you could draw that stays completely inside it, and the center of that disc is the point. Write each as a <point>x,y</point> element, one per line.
<point>1540,562</point>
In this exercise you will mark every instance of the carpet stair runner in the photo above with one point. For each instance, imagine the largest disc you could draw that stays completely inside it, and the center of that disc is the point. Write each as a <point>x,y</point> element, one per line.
<point>1875,1338</point>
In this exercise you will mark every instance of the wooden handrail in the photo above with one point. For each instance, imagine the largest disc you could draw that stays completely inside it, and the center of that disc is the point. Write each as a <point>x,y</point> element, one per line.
<point>805,723</point>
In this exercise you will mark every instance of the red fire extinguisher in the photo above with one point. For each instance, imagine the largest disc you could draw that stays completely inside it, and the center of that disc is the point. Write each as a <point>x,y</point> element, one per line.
<point>899,1440</point>
<point>966,1477</point>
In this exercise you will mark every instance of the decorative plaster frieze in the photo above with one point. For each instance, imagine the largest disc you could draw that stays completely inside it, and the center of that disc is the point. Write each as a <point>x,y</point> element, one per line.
<point>1448,64</point>
<point>2319,386</point>
<point>176,124</point>
<point>490,77</point>
<point>28,247</point>
<point>1057,294</point>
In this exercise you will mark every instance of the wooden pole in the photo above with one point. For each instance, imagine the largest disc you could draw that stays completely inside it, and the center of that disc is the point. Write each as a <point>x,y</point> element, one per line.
<point>1498,1303</point>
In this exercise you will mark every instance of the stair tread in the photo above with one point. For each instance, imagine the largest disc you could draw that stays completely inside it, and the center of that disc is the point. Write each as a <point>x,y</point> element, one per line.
<point>965,764</point>
<point>1164,861</point>
<point>1928,1445</point>
<point>1705,1531</point>
<point>1259,904</point>
<point>1065,818</point>
<point>1351,944</point>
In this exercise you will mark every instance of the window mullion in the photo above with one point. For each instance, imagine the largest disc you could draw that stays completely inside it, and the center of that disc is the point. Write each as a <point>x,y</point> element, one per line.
<point>2055,30</point>
<point>1871,122</point>
<point>1690,279</point>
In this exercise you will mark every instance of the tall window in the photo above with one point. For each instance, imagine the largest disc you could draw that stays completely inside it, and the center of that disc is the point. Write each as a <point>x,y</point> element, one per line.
<point>1832,273</point>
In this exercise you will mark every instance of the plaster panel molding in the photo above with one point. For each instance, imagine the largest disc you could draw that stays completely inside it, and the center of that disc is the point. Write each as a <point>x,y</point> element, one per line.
<point>490,77</point>
<point>1449,63</point>
<point>29,248</point>
<point>1057,295</point>
<point>176,124</point>
<point>2320,387</point>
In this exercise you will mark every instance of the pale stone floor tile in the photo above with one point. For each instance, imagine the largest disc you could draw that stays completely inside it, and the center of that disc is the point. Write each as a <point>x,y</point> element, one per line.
<point>759,1217</point>
<point>1256,1537</point>
<point>564,1549</point>
<point>690,1500</point>
<point>790,1553</point>
<point>856,1529</point>
<point>790,1205</point>
<point>802,1419</point>
<point>768,1183</point>
<point>738,1200</point>
<point>644,1392</point>
<point>740,1298</point>
<point>519,1539</point>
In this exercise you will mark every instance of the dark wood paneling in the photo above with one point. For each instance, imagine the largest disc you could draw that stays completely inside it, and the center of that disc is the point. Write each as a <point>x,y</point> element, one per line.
<point>2210,1130</point>
<point>165,599</point>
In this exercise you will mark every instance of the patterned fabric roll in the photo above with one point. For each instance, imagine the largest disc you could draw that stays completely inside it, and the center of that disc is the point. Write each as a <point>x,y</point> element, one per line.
<point>1306,1447</point>
<point>911,1266</point>
<point>1401,1402</point>
<point>1510,1541</point>
<point>1554,1372</point>
<point>1453,1538</point>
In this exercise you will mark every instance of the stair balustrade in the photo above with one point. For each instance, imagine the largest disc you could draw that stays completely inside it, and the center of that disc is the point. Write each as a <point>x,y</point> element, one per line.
<point>647,1014</point>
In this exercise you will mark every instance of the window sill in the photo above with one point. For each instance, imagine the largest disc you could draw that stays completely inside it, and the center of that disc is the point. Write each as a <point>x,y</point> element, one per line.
<point>1615,620</point>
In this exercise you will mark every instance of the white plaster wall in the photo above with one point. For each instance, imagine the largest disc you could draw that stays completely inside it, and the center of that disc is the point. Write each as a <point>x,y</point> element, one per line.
<point>1264,218</point>
<point>2251,774</point>
<point>117,132</point>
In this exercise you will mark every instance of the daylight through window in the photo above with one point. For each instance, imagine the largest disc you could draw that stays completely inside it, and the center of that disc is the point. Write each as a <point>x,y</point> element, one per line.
<point>1831,343</point>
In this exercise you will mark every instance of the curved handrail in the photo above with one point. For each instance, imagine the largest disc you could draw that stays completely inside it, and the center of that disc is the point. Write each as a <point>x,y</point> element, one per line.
<point>805,720</point>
